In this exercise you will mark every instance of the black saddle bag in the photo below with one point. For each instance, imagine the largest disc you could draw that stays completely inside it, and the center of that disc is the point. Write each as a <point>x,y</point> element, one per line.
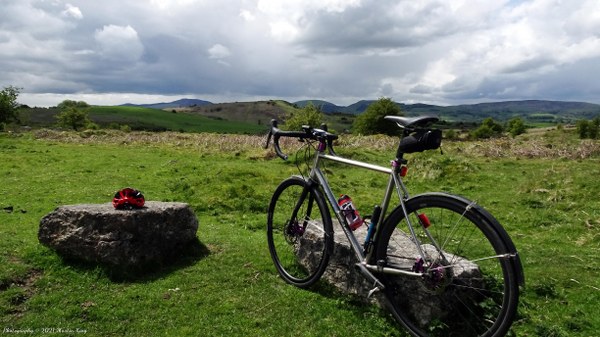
<point>421,140</point>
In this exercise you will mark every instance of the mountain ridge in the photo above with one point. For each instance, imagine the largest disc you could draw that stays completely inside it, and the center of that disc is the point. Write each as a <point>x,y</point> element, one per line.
<point>532,110</point>
<point>180,103</point>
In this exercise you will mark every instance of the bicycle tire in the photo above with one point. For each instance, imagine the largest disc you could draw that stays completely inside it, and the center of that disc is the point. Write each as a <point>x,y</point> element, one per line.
<point>455,297</point>
<point>300,247</point>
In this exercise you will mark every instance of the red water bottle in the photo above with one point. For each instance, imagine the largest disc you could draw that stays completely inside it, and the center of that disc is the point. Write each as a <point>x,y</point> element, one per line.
<point>352,217</point>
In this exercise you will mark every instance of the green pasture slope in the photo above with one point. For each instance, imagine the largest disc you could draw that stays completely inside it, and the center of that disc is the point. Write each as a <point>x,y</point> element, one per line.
<point>543,190</point>
<point>161,120</point>
<point>140,118</point>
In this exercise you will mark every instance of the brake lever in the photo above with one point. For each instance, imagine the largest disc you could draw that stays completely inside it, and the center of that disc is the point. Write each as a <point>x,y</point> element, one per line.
<point>280,154</point>
<point>268,139</point>
<point>330,147</point>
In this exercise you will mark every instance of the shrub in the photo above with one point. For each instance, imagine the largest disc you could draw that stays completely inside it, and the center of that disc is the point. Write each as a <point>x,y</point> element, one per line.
<point>594,128</point>
<point>588,129</point>
<point>451,134</point>
<point>489,128</point>
<point>516,126</point>
<point>92,126</point>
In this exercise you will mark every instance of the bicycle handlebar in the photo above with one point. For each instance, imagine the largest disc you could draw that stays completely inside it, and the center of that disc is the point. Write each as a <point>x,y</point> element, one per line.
<point>308,133</point>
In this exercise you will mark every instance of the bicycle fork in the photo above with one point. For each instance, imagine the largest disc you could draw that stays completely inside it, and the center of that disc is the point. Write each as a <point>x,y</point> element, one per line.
<point>294,227</point>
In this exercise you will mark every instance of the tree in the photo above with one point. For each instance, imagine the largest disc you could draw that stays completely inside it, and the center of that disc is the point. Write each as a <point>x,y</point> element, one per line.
<point>73,115</point>
<point>516,126</point>
<point>489,128</point>
<point>372,120</point>
<point>69,103</point>
<point>9,108</point>
<point>309,115</point>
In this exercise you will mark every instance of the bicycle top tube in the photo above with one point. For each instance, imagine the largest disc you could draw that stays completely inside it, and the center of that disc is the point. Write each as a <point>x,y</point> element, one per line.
<point>357,163</point>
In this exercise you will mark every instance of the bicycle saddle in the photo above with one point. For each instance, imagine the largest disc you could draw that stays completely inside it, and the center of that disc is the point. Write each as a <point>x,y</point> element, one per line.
<point>419,121</point>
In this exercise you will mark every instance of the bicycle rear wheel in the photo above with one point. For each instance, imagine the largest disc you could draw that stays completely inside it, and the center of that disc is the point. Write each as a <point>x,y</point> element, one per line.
<point>468,288</point>
<point>299,232</point>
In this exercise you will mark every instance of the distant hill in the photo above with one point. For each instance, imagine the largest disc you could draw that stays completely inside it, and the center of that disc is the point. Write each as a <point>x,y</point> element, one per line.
<point>531,110</point>
<point>329,108</point>
<point>261,112</point>
<point>324,106</point>
<point>181,103</point>
<point>358,107</point>
<point>258,112</point>
<point>194,115</point>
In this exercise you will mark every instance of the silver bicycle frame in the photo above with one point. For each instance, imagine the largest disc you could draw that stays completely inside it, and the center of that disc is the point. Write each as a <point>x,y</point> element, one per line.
<point>394,183</point>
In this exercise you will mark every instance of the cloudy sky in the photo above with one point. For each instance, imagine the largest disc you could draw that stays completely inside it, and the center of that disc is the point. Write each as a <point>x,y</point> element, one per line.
<point>430,51</point>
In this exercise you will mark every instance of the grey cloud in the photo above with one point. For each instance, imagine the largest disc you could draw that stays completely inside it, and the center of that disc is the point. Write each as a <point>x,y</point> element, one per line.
<point>421,89</point>
<point>385,25</point>
<point>429,51</point>
<point>530,64</point>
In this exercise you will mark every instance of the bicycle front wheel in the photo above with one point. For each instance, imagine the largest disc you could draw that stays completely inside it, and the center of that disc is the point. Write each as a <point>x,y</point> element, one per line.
<point>469,282</point>
<point>299,232</point>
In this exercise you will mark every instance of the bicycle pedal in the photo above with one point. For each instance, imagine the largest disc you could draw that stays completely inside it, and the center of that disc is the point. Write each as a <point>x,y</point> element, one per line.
<point>373,291</point>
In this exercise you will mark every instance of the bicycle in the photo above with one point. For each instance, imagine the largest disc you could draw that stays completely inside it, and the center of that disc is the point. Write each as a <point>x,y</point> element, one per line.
<point>444,265</point>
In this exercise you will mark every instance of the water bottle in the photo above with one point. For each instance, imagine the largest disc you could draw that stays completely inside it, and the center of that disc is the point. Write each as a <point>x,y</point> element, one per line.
<point>352,217</point>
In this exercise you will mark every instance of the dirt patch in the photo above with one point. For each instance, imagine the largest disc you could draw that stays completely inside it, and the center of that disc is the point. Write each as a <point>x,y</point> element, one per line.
<point>26,289</point>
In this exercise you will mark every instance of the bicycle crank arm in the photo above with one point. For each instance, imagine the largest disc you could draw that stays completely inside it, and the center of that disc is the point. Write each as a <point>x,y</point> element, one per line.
<point>371,278</point>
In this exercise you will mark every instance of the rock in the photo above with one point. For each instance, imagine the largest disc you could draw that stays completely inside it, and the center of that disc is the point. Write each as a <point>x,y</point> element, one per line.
<point>341,270</point>
<point>119,238</point>
<point>342,274</point>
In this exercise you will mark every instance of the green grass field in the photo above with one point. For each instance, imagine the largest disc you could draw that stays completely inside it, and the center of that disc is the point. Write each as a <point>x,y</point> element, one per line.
<point>140,118</point>
<point>161,120</point>
<point>544,190</point>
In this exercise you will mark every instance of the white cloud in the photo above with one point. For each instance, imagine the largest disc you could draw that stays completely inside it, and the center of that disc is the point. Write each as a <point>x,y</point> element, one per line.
<point>72,12</point>
<point>247,15</point>
<point>284,31</point>
<point>287,19</point>
<point>119,43</point>
<point>218,51</point>
<point>301,7</point>
<point>165,4</point>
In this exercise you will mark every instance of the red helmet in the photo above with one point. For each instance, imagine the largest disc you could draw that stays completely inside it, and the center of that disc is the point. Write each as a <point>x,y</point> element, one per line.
<point>128,198</point>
